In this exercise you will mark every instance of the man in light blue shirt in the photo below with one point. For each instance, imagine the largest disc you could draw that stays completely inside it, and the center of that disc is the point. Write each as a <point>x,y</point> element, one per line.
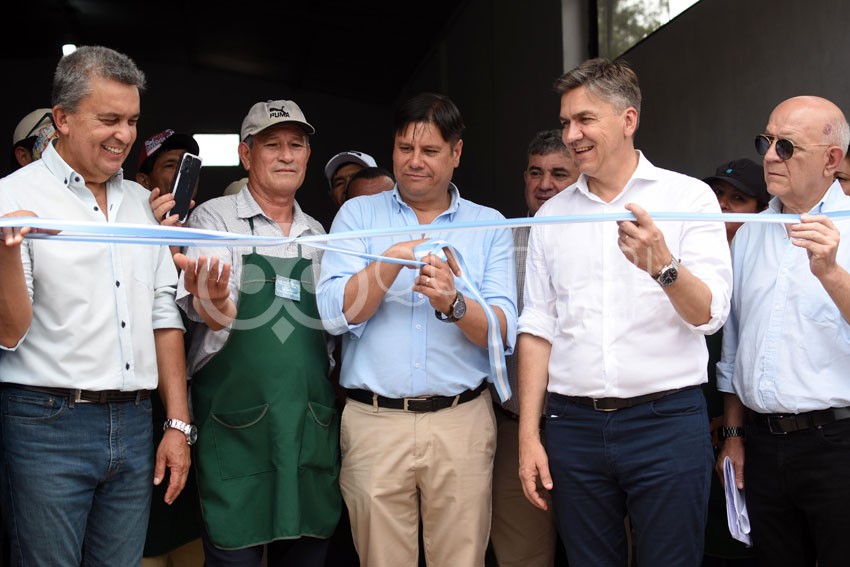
<point>418,431</point>
<point>786,346</point>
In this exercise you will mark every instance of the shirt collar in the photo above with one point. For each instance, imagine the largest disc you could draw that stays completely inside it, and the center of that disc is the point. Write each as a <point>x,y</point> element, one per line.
<point>645,170</point>
<point>453,204</point>
<point>247,207</point>
<point>833,200</point>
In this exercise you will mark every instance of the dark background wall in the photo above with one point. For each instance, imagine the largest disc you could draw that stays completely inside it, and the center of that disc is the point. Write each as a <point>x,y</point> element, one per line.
<point>711,78</point>
<point>709,81</point>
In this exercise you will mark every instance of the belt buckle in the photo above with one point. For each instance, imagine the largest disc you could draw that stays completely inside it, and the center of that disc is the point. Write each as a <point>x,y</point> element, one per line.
<point>77,396</point>
<point>771,419</point>
<point>597,408</point>
<point>420,399</point>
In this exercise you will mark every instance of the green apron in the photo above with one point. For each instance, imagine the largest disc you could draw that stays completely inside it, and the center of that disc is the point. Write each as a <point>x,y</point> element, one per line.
<point>268,428</point>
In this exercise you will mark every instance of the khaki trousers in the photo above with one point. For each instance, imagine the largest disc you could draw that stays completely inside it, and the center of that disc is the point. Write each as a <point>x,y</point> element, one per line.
<point>522,534</point>
<point>397,464</point>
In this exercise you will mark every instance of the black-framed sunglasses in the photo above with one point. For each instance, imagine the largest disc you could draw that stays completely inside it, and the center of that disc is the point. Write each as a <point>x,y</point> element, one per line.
<point>784,147</point>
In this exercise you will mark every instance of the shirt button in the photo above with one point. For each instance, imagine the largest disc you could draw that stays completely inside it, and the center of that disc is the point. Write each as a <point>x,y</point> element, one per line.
<point>95,208</point>
<point>417,365</point>
<point>420,295</point>
<point>123,324</point>
<point>418,327</point>
<point>77,179</point>
<point>127,366</point>
<point>117,284</point>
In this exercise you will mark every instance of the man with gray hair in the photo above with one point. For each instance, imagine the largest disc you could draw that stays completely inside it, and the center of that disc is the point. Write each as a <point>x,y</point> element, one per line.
<point>612,327</point>
<point>786,346</point>
<point>89,329</point>
<point>268,449</point>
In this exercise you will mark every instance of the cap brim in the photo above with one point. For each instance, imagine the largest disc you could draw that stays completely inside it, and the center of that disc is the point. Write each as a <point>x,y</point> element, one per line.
<point>341,159</point>
<point>736,183</point>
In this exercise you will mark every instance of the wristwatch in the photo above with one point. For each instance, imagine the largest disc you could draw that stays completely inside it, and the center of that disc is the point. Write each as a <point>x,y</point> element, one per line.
<point>189,430</point>
<point>727,432</point>
<point>668,273</point>
<point>456,311</point>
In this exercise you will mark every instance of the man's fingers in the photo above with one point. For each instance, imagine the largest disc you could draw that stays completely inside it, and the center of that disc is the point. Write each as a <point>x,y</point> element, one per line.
<point>159,468</point>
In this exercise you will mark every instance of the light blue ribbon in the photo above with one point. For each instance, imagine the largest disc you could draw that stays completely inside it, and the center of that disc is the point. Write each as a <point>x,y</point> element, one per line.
<point>124,233</point>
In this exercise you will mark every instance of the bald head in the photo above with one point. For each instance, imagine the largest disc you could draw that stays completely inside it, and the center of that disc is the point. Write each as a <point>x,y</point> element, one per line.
<point>821,119</point>
<point>815,136</point>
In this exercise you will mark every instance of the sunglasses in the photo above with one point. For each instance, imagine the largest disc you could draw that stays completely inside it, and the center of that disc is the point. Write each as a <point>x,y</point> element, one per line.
<point>784,147</point>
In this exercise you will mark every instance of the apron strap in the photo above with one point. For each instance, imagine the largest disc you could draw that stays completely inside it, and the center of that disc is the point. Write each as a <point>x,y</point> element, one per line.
<point>251,224</point>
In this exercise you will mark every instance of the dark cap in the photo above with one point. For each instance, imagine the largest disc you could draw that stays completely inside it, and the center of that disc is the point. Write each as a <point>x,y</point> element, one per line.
<point>165,140</point>
<point>745,175</point>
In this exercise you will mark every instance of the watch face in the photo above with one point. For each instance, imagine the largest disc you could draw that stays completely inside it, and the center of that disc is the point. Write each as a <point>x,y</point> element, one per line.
<point>192,436</point>
<point>668,276</point>
<point>459,307</point>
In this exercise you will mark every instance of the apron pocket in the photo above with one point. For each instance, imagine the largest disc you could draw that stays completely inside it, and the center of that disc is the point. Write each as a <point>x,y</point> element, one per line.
<point>320,441</point>
<point>242,441</point>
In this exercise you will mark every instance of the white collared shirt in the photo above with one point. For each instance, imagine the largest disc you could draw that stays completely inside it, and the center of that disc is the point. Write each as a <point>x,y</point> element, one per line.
<point>95,306</point>
<point>614,332</point>
<point>786,346</point>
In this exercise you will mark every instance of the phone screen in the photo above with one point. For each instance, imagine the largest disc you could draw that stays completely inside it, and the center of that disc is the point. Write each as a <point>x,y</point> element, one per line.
<point>183,185</point>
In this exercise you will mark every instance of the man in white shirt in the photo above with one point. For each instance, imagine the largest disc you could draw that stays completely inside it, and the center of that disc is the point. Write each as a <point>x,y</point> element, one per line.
<point>612,327</point>
<point>786,346</point>
<point>89,329</point>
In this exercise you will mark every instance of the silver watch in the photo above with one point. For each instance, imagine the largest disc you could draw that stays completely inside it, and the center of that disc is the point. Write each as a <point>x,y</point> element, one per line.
<point>189,430</point>
<point>668,273</point>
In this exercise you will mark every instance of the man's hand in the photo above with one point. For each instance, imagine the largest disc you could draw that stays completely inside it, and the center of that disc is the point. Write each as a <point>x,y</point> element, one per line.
<point>210,289</point>
<point>436,280</point>
<point>161,203</point>
<point>534,467</point>
<point>173,453</point>
<point>818,235</point>
<point>642,242</point>
<point>733,447</point>
<point>14,236</point>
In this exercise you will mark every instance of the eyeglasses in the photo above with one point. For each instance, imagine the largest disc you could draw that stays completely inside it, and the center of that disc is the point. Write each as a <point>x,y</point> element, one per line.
<point>784,147</point>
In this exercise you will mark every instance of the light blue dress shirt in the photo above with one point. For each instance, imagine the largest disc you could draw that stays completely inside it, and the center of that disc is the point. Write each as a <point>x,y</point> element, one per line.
<point>403,350</point>
<point>786,347</point>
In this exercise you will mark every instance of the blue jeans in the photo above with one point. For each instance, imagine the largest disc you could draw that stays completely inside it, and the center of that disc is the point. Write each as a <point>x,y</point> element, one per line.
<point>653,461</point>
<point>76,479</point>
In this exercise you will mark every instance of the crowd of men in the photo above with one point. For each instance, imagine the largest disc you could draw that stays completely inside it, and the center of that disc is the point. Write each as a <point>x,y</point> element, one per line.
<point>416,436</point>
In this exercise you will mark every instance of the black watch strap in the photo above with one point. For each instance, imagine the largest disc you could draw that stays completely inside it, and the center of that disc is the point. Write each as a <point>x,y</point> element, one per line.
<point>727,432</point>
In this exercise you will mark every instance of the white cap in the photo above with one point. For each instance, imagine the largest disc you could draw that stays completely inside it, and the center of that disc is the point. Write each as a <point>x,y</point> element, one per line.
<point>343,158</point>
<point>265,114</point>
<point>235,187</point>
<point>28,125</point>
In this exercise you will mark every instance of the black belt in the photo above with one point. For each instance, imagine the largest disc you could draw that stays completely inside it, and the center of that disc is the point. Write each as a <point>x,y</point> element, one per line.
<point>96,396</point>
<point>784,423</point>
<point>613,404</point>
<point>421,404</point>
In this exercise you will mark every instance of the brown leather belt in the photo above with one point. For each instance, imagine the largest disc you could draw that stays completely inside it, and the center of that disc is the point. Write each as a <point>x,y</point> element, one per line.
<point>96,396</point>
<point>419,405</point>
<point>784,423</point>
<point>614,404</point>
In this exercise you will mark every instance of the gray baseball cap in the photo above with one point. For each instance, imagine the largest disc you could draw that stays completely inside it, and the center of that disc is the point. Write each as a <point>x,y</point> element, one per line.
<point>265,114</point>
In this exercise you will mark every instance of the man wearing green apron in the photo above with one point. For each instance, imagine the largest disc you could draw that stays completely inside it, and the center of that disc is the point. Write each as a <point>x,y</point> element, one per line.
<point>268,444</point>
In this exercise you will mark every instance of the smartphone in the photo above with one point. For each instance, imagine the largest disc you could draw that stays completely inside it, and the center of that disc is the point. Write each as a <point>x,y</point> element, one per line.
<point>183,185</point>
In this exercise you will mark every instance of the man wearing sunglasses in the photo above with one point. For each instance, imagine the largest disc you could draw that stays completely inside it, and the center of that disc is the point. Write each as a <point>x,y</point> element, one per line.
<point>612,328</point>
<point>786,346</point>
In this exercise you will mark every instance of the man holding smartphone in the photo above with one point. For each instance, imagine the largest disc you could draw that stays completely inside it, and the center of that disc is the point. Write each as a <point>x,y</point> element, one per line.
<point>159,161</point>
